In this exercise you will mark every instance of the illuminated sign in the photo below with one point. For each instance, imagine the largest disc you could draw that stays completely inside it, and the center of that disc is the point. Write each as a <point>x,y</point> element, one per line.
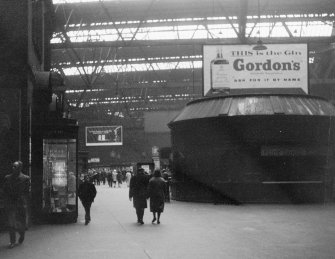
<point>241,66</point>
<point>146,168</point>
<point>94,160</point>
<point>104,136</point>
<point>293,151</point>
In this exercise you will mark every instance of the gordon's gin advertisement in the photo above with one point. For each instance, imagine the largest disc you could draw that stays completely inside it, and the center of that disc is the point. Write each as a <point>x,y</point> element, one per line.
<point>244,66</point>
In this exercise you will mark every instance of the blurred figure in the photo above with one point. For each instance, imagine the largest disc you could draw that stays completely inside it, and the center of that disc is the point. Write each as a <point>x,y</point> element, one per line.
<point>166,177</point>
<point>109,178</point>
<point>138,192</point>
<point>119,179</point>
<point>86,194</point>
<point>16,192</point>
<point>95,177</point>
<point>156,191</point>
<point>103,176</point>
<point>98,177</point>
<point>114,178</point>
<point>71,185</point>
<point>128,177</point>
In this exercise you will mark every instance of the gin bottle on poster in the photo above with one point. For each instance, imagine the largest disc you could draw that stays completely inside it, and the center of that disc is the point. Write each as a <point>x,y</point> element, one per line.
<point>219,72</point>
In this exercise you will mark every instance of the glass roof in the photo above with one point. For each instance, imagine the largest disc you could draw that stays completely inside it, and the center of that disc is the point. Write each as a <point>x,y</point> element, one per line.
<point>267,26</point>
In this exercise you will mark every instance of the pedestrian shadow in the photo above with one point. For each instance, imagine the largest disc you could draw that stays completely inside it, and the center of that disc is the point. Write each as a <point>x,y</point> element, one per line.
<point>148,224</point>
<point>4,247</point>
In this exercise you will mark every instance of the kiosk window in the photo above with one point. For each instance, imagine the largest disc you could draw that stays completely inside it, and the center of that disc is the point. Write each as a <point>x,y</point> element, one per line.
<point>59,175</point>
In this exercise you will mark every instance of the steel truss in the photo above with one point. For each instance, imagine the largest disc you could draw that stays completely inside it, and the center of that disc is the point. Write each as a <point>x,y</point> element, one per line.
<point>225,22</point>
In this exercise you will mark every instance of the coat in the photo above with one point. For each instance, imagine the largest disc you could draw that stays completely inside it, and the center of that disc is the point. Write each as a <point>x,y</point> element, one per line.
<point>16,194</point>
<point>138,190</point>
<point>156,193</point>
<point>87,192</point>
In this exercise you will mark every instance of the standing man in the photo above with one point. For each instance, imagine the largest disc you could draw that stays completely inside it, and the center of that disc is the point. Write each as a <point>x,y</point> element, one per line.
<point>87,193</point>
<point>138,192</point>
<point>16,191</point>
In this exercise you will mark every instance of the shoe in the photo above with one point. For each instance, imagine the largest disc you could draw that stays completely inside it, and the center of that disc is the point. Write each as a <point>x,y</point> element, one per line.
<point>158,222</point>
<point>21,239</point>
<point>86,222</point>
<point>153,220</point>
<point>11,245</point>
<point>141,222</point>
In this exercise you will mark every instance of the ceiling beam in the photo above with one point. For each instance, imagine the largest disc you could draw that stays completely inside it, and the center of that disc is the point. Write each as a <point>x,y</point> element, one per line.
<point>176,9</point>
<point>181,42</point>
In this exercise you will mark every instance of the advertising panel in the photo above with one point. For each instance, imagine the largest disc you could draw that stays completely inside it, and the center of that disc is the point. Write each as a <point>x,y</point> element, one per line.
<point>244,66</point>
<point>103,136</point>
<point>273,151</point>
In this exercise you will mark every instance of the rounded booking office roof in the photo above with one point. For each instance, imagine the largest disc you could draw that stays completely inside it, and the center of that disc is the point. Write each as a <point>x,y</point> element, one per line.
<point>256,104</point>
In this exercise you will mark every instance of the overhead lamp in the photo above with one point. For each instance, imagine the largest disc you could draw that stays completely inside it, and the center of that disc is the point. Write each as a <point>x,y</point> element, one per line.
<point>259,45</point>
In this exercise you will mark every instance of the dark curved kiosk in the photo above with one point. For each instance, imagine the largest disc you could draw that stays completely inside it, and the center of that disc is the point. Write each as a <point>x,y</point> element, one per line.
<point>254,148</point>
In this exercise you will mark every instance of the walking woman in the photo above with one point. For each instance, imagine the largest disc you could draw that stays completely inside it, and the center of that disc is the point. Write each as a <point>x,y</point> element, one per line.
<point>156,190</point>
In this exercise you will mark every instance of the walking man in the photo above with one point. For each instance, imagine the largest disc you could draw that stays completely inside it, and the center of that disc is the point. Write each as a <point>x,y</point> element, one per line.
<point>138,192</point>
<point>87,193</point>
<point>16,192</point>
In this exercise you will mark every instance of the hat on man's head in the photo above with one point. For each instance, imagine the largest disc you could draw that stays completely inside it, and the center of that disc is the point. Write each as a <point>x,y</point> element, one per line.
<point>140,169</point>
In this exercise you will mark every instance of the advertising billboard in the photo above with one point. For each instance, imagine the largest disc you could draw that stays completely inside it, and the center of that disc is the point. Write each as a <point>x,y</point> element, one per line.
<point>244,66</point>
<point>103,135</point>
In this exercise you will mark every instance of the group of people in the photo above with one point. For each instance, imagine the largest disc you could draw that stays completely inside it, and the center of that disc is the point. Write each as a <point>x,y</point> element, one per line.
<point>141,187</point>
<point>114,178</point>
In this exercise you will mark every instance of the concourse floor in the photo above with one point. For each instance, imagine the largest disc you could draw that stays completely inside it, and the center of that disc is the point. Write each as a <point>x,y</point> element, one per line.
<point>187,230</point>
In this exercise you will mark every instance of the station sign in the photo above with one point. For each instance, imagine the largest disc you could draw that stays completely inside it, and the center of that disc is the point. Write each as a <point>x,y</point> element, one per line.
<point>94,160</point>
<point>103,135</point>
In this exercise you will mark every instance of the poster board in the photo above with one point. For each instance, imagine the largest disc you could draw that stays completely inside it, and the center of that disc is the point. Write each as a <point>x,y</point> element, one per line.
<point>103,135</point>
<point>244,67</point>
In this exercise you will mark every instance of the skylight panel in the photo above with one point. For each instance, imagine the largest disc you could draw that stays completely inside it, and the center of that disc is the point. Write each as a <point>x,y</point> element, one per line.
<point>310,29</point>
<point>223,30</point>
<point>279,31</point>
<point>134,67</point>
<point>79,1</point>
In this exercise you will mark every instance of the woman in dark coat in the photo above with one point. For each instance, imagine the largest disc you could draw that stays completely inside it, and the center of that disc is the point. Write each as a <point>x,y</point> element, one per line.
<point>156,193</point>
<point>138,192</point>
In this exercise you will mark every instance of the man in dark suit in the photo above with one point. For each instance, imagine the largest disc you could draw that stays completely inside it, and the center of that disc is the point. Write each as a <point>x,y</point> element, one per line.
<point>16,191</point>
<point>138,193</point>
<point>87,193</point>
